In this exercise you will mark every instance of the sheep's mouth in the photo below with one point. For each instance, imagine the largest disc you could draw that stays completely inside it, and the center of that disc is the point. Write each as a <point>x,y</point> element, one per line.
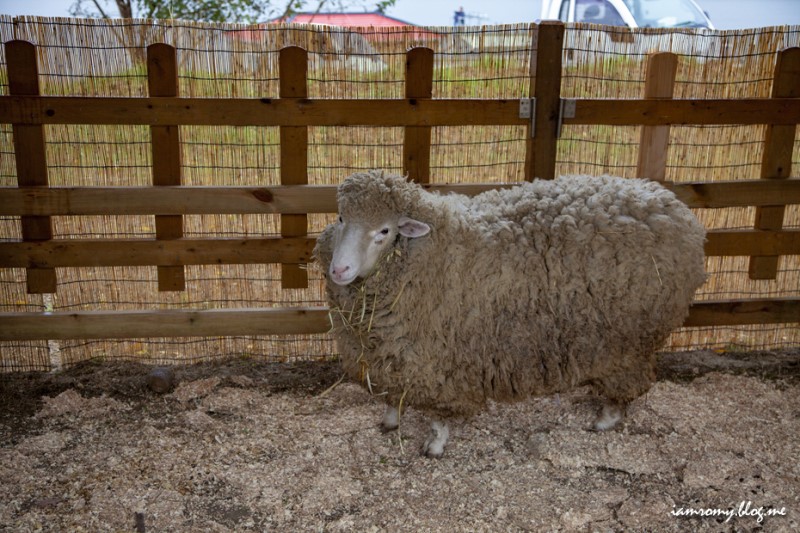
<point>343,280</point>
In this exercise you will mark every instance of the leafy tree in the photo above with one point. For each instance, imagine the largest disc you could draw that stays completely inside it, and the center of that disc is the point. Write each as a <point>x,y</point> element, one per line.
<point>212,10</point>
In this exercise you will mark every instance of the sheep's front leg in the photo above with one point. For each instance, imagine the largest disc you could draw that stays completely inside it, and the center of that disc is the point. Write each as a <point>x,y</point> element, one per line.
<point>391,419</point>
<point>434,445</point>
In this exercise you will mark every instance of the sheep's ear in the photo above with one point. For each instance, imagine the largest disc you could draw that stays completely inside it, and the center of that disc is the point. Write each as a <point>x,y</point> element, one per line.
<point>411,228</point>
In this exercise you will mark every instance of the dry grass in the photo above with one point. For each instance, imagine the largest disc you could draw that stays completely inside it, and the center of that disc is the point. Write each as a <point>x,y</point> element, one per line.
<point>106,59</point>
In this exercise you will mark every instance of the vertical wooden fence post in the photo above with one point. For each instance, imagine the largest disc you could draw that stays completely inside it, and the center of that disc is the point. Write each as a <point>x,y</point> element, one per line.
<point>654,140</point>
<point>417,139</point>
<point>162,80</point>
<point>542,143</point>
<point>777,159</point>
<point>30,156</point>
<point>293,64</point>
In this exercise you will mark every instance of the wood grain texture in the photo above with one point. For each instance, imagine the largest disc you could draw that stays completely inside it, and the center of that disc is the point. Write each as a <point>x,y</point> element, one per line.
<point>30,157</point>
<point>303,320</point>
<point>654,140</point>
<point>741,312</point>
<point>293,63</point>
<point>167,323</point>
<point>383,112</point>
<point>776,163</point>
<point>300,199</point>
<point>417,139</point>
<point>165,146</point>
<point>145,252</point>
<point>542,142</point>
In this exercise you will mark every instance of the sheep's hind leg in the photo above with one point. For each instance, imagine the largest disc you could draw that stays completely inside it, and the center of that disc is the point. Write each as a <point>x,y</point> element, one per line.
<point>434,445</point>
<point>625,385</point>
<point>609,416</point>
<point>391,419</point>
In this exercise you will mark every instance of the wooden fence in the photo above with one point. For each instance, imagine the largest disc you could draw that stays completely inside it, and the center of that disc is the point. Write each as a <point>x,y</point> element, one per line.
<point>164,111</point>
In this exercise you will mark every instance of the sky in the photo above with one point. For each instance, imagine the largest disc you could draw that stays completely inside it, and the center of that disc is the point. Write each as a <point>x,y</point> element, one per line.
<point>725,14</point>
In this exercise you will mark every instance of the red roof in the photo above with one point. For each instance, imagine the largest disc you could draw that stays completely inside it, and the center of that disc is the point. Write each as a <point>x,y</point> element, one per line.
<point>358,20</point>
<point>345,19</point>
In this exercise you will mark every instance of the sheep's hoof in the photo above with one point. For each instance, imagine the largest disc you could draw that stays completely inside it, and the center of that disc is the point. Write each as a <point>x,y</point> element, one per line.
<point>391,420</point>
<point>434,444</point>
<point>609,417</point>
<point>387,429</point>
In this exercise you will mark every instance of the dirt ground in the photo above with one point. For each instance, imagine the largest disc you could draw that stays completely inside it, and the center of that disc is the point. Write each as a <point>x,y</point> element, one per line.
<point>244,446</point>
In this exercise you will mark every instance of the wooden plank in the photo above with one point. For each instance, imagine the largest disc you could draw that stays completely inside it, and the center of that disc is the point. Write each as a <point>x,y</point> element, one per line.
<point>382,112</point>
<point>165,145</point>
<point>293,64</point>
<point>140,252</point>
<point>752,242</point>
<point>776,162</point>
<point>542,142</point>
<point>186,200</point>
<point>166,323</point>
<point>654,140</point>
<point>417,139</point>
<point>37,201</point>
<point>654,112</point>
<point>30,156</point>
<point>144,252</point>
<point>258,112</point>
<point>303,320</point>
<point>736,193</point>
<point>741,312</point>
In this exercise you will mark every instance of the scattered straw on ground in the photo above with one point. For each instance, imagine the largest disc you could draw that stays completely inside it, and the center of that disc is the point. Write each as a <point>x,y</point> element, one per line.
<point>250,447</point>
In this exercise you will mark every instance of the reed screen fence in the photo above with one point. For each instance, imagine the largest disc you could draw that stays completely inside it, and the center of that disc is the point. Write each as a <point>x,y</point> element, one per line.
<point>161,182</point>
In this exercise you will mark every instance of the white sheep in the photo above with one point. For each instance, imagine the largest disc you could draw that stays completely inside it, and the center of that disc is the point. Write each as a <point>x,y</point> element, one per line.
<point>443,302</point>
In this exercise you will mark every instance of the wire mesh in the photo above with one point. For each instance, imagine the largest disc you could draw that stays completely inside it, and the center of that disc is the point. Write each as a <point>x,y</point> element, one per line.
<point>107,58</point>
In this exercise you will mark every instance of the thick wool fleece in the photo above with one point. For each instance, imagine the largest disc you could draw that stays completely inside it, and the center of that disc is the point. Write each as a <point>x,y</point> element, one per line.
<point>515,292</point>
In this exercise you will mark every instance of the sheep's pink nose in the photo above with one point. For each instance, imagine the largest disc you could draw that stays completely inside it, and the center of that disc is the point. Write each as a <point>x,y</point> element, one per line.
<point>342,275</point>
<point>338,271</point>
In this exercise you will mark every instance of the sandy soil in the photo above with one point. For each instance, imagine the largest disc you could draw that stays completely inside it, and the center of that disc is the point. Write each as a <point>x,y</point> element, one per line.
<point>243,446</point>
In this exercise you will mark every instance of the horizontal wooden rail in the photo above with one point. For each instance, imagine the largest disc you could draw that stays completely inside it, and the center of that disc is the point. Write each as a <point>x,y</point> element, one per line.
<point>654,112</point>
<point>741,312</point>
<point>166,323</point>
<point>49,201</point>
<point>301,320</point>
<point>257,112</point>
<point>166,200</point>
<point>209,251</point>
<point>752,242</point>
<point>740,193</point>
<point>142,252</point>
<point>382,112</point>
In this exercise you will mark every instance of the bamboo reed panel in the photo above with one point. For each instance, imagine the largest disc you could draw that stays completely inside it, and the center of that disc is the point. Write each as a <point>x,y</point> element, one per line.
<point>710,165</point>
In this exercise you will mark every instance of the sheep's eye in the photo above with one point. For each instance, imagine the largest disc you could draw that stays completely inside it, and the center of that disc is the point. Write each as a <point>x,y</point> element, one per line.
<point>340,219</point>
<point>385,231</point>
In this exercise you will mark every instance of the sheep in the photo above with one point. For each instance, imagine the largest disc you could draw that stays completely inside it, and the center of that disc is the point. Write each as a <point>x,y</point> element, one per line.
<point>443,302</point>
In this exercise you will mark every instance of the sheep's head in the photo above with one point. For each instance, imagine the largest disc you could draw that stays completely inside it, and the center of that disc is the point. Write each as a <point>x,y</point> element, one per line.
<point>372,213</point>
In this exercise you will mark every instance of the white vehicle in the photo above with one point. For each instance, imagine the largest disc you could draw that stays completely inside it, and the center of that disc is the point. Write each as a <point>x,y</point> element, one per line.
<point>631,13</point>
